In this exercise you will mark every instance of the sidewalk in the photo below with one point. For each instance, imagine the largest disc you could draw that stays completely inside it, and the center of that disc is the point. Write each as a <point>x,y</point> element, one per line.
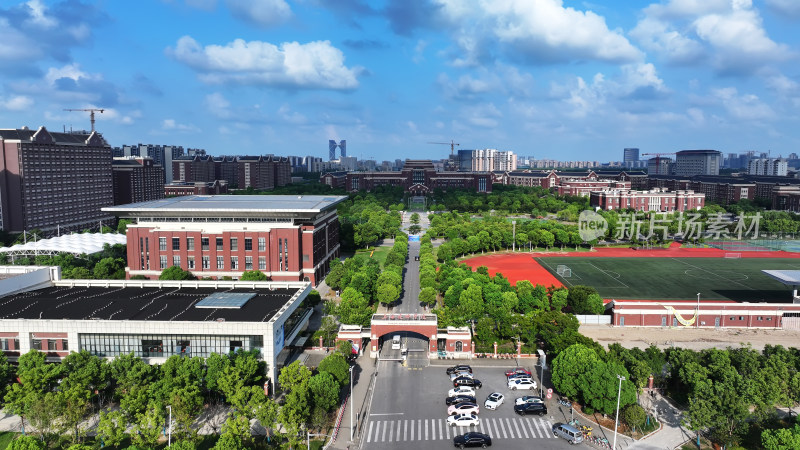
<point>363,374</point>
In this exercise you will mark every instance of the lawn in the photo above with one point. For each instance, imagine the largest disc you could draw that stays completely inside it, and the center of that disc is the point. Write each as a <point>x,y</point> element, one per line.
<point>676,278</point>
<point>379,253</point>
<point>5,438</point>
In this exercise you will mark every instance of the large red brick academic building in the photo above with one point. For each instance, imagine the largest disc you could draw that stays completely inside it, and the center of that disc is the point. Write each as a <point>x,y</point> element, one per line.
<point>288,238</point>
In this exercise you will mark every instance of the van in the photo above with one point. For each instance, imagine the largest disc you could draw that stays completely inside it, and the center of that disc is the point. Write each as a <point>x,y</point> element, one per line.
<point>396,342</point>
<point>568,432</point>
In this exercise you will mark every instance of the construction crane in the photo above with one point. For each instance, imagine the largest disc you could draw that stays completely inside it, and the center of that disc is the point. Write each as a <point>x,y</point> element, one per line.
<point>658,160</point>
<point>452,145</point>
<point>91,114</point>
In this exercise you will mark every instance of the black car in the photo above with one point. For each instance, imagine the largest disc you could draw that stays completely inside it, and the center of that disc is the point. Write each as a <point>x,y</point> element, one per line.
<point>473,439</point>
<point>459,368</point>
<point>465,381</point>
<point>531,408</point>
<point>459,399</point>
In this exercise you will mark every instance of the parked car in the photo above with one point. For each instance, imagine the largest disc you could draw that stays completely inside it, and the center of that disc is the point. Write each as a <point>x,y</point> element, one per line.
<point>518,370</point>
<point>461,390</point>
<point>494,400</point>
<point>568,432</point>
<point>524,383</point>
<point>459,368</point>
<point>528,399</point>
<point>531,408</point>
<point>459,399</point>
<point>464,381</point>
<point>519,376</point>
<point>463,420</point>
<point>473,439</point>
<point>455,375</point>
<point>463,408</point>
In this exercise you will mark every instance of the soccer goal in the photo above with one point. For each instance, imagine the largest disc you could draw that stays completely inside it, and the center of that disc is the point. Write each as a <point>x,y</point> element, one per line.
<point>733,255</point>
<point>563,271</point>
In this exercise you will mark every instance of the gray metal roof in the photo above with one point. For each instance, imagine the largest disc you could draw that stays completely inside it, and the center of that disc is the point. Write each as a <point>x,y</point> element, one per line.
<point>788,277</point>
<point>215,204</point>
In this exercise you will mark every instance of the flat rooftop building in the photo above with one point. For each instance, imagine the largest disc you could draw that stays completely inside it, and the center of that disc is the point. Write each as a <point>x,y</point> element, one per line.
<point>154,320</point>
<point>287,237</point>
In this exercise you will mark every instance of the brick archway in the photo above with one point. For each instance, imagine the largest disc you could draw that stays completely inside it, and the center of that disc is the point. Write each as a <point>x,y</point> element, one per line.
<point>388,324</point>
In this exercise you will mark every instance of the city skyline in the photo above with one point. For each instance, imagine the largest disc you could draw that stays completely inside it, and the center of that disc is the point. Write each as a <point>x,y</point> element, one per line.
<point>553,79</point>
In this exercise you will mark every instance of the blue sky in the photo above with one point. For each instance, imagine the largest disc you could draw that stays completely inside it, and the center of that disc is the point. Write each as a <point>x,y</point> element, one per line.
<point>569,80</point>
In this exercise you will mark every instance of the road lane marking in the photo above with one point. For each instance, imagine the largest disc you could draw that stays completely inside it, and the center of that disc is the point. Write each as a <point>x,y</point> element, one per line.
<point>426,430</point>
<point>419,425</point>
<point>516,425</point>
<point>510,430</point>
<point>369,432</point>
<point>411,438</point>
<point>388,414</point>
<point>391,432</point>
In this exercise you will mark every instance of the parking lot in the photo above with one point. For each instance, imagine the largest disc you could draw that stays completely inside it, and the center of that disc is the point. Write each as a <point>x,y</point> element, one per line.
<point>408,407</point>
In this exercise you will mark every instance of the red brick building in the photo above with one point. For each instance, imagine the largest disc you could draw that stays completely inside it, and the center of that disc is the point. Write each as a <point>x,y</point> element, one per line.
<point>288,238</point>
<point>137,179</point>
<point>658,199</point>
<point>569,183</point>
<point>240,172</point>
<point>713,314</point>
<point>53,181</point>
<point>419,177</point>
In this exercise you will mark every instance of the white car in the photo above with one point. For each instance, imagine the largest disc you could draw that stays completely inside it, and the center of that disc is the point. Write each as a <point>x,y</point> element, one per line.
<point>528,399</point>
<point>455,375</point>
<point>463,420</point>
<point>461,390</point>
<point>494,400</point>
<point>525,383</point>
<point>463,408</point>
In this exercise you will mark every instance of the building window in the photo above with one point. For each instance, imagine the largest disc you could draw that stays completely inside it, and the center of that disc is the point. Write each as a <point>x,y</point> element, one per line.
<point>37,344</point>
<point>206,263</point>
<point>64,345</point>
<point>204,243</point>
<point>234,244</point>
<point>305,258</point>
<point>176,244</point>
<point>741,317</point>
<point>190,262</point>
<point>262,263</point>
<point>162,244</point>
<point>248,244</point>
<point>220,262</point>
<point>234,262</point>
<point>152,348</point>
<point>190,243</point>
<point>248,263</point>
<point>163,261</point>
<point>51,344</point>
<point>176,260</point>
<point>219,244</point>
<point>262,244</point>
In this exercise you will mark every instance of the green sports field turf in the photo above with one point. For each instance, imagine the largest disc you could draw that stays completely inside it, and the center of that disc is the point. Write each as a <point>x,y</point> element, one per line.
<point>677,278</point>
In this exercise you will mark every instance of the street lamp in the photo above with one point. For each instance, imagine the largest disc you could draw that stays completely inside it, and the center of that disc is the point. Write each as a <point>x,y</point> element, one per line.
<point>514,236</point>
<point>697,319</point>
<point>352,426</point>
<point>541,377</point>
<point>169,427</point>
<point>616,421</point>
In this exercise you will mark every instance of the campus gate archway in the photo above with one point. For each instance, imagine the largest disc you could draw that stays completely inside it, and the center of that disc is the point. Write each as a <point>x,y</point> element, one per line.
<point>391,324</point>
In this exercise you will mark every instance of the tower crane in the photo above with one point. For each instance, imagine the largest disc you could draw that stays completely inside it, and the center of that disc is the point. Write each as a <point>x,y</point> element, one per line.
<point>452,145</point>
<point>658,160</point>
<point>91,114</point>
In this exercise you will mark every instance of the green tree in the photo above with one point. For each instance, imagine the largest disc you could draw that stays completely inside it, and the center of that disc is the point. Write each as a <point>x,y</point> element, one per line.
<point>578,298</point>
<point>148,426</point>
<point>235,434</point>
<point>36,380</point>
<point>5,376</point>
<point>294,377</point>
<point>334,278</point>
<point>594,304</point>
<point>111,427</point>
<point>387,294</point>
<point>558,299</point>
<point>427,295</point>
<point>354,308</point>
<point>122,225</point>
<point>781,438</point>
<point>183,445</point>
<point>569,366</point>
<point>110,269</point>
<point>336,365</point>
<point>253,275</point>
<point>324,391</point>
<point>176,273</point>
<point>267,414</point>
<point>634,415</point>
<point>294,413</point>
<point>471,302</point>
<point>26,443</point>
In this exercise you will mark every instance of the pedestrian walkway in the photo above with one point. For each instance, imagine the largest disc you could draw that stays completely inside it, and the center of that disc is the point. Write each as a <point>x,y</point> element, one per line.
<point>498,428</point>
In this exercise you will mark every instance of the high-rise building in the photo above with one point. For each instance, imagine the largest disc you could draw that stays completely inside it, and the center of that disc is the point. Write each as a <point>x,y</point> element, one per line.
<point>630,156</point>
<point>240,172</point>
<point>53,181</point>
<point>162,155</point>
<point>332,149</point>
<point>775,167</point>
<point>137,179</point>
<point>486,160</point>
<point>697,162</point>
<point>659,166</point>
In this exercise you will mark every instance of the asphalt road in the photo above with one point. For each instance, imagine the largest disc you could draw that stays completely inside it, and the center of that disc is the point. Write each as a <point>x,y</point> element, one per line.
<point>408,411</point>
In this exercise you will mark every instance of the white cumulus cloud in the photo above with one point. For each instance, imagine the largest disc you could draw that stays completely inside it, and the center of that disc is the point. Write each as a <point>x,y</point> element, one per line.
<point>315,65</point>
<point>17,103</point>
<point>539,31</point>
<point>744,107</point>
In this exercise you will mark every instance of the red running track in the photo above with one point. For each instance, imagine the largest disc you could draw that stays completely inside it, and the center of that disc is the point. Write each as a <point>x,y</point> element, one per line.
<point>523,266</point>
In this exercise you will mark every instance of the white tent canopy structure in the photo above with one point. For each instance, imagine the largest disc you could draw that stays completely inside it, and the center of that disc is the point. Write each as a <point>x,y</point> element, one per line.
<point>76,244</point>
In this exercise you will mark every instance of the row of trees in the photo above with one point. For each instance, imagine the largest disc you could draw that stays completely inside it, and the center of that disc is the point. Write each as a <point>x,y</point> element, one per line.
<point>132,396</point>
<point>535,201</point>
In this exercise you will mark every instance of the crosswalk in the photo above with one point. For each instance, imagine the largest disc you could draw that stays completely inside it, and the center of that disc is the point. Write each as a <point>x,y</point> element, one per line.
<point>437,429</point>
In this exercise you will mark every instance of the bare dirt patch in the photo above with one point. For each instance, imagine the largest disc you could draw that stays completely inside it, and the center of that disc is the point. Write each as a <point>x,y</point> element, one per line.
<point>691,338</point>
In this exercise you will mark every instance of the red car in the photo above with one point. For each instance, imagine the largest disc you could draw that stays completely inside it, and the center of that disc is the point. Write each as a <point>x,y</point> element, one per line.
<point>518,371</point>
